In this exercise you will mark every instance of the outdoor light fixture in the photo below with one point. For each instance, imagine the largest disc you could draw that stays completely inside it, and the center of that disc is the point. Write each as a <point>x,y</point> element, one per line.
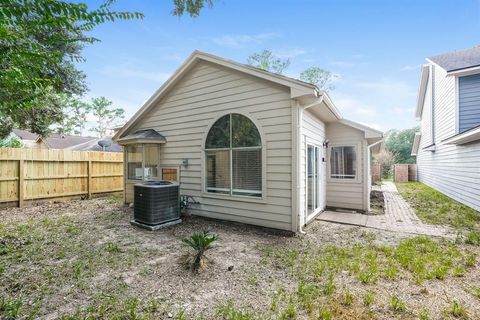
<point>325,143</point>
<point>185,162</point>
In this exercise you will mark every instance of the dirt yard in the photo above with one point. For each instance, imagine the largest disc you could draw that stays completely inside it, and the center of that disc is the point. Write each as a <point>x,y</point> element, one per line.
<point>82,259</point>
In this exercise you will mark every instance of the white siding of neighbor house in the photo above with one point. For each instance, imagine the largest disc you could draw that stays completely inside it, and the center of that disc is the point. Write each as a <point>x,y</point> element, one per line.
<point>183,116</point>
<point>313,132</point>
<point>451,169</point>
<point>345,193</point>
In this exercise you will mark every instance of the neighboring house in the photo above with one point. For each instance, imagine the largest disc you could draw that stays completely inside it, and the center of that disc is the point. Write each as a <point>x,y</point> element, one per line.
<point>97,144</point>
<point>27,138</point>
<point>448,144</point>
<point>249,145</point>
<point>64,141</point>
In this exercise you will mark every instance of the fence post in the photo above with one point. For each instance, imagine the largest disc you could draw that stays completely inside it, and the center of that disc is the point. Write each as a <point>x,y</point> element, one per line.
<point>21,188</point>
<point>89,182</point>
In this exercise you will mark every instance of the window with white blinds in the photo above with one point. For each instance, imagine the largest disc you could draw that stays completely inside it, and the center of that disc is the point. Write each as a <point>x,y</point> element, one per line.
<point>233,153</point>
<point>343,162</point>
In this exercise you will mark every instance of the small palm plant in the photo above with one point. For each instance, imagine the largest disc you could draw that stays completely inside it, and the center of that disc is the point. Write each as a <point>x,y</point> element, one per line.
<point>200,242</point>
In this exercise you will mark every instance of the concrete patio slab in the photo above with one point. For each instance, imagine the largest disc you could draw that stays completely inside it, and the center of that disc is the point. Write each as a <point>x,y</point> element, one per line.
<point>398,217</point>
<point>344,218</point>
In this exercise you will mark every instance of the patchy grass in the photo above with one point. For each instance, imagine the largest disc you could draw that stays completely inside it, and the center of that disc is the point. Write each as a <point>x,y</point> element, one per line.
<point>434,207</point>
<point>84,261</point>
<point>421,257</point>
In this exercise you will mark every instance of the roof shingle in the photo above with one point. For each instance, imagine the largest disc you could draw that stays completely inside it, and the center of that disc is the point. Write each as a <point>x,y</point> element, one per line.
<point>458,60</point>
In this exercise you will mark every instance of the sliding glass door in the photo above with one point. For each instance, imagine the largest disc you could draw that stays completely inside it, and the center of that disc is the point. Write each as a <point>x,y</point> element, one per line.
<point>313,182</point>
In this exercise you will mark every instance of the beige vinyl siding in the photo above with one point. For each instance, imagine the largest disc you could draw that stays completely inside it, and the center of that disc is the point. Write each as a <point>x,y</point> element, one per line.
<point>313,132</point>
<point>344,193</point>
<point>451,169</point>
<point>184,115</point>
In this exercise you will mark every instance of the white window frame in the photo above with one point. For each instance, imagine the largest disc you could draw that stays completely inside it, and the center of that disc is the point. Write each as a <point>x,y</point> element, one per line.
<point>230,195</point>
<point>357,149</point>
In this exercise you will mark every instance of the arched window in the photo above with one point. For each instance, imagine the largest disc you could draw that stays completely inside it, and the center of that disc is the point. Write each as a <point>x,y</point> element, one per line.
<point>233,153</point>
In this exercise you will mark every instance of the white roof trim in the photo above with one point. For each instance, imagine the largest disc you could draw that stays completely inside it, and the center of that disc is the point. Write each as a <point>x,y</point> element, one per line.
<point>331,106</point>
<point>466,137</point>
<point>422,90</point>
<point>297,88</point>
<point>464,72</point>
<point>369,132</point>
<point>416,143</point>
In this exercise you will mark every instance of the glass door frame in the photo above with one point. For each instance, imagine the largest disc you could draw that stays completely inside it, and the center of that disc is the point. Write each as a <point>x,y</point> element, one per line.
<point>316,175</point>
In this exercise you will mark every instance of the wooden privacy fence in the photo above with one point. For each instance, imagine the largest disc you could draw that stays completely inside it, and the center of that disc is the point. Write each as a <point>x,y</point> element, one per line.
<point>34,174</point>
<point>405,172</point>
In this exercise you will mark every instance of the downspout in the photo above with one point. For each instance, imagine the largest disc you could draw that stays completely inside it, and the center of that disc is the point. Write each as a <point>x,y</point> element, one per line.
<point>369,155</point>
<point>300,110</point>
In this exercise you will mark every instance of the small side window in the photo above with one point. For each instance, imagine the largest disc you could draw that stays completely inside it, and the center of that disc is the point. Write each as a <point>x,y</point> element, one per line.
<point>343,162</point>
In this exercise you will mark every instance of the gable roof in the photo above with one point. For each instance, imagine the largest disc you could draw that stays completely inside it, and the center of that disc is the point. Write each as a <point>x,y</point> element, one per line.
<point>297,88</point>
<point>92,145</point>
<point>458,60</point>
<point>24,134</point>
<point>63,141</point>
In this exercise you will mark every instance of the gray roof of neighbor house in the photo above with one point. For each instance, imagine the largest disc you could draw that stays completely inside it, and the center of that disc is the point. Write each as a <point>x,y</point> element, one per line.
<point>93,145</point>
<point>63,141</point>
<point>24,134</point>
<point>458,60</point>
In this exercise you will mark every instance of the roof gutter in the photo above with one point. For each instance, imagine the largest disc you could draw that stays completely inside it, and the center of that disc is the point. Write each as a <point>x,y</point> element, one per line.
<point>299,125</point>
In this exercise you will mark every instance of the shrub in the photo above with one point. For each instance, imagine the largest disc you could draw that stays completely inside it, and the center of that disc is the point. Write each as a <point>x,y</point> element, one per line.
<point>200,242</point>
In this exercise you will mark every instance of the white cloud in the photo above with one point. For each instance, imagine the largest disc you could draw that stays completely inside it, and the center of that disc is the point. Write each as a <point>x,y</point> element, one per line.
<point>292,53</point>
<point>131,72</point>
<point>354,107</point>
<point>410,67</point>
<point>388,86</point>
<point>240,40</point>
<point>403,111</point>
<point>342,64</point>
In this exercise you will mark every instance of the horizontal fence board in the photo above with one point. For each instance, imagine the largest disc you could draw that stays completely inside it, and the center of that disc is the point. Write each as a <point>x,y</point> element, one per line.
<point>31,174</point>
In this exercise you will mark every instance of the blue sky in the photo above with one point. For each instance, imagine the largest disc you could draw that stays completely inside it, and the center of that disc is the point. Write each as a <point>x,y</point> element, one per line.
<point>376,47</point>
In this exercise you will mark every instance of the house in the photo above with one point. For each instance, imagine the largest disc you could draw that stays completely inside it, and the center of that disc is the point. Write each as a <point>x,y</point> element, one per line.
<point>27,138</point>
<point>448,108</point>
<point>64,141</point>
<point>97,144</point>
<point>249,145</point>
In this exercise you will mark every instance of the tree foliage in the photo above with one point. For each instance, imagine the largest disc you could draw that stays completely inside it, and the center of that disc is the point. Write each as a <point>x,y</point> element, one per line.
<point>75,117</point>
<point>40,43</point>
<point>192,7</point>
<point>267,61</point>
<point>323,79</point>
<point>105,115</point>
<point>386,159</point>
<point>400,143</point>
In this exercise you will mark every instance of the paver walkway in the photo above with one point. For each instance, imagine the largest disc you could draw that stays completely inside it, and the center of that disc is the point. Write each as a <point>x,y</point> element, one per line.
<point>399,217</point>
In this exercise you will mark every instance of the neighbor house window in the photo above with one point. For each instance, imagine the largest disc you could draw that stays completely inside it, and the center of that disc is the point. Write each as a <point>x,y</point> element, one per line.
<point>143,161</point>
<point>343,162</point>
<point>468,102</point>
<point>233,157</point>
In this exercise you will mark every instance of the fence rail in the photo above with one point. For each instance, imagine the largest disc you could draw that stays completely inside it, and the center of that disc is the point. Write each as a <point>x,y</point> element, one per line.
<point>32,174</point>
